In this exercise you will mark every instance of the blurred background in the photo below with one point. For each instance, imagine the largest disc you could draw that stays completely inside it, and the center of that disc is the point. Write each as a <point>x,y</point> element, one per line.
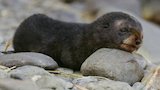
<point>13,12</point>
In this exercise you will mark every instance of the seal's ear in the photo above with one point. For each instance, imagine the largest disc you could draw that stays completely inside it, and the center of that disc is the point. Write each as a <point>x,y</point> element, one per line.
<point>120,23</point>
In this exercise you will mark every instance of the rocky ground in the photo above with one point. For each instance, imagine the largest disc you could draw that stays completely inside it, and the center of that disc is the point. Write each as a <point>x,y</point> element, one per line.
<point>115,69</point>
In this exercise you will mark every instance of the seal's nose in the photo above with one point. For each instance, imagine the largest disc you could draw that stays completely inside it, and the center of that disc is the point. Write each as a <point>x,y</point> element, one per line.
<point>138,38</point>
<point>138,42</point>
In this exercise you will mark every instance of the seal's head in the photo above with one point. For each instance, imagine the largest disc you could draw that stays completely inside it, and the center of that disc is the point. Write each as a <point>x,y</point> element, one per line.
<point>119,30</point>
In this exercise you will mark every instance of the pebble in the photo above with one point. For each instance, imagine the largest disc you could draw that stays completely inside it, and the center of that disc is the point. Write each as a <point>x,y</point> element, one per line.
<point>28,58</point>
<point>113,64</point>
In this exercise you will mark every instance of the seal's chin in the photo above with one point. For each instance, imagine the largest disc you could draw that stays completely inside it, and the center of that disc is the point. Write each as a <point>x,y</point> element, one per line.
<point>129,47</point>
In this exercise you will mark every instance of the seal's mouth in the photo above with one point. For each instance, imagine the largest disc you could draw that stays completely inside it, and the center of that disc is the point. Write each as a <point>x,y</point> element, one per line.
<point>132,43</point>
<point>129,47</point>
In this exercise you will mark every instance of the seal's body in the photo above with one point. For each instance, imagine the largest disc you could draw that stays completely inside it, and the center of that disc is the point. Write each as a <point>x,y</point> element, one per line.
<point>71,43</point>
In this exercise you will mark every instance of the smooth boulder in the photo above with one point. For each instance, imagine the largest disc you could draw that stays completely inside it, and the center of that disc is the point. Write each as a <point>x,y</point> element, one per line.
<point>113,64</point>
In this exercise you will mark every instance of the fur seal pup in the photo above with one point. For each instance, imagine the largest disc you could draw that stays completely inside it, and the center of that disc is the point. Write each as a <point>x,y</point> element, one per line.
<point>71,43</point>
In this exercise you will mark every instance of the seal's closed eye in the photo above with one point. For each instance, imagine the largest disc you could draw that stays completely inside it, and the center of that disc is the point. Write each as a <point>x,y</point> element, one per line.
<point>124,30</point>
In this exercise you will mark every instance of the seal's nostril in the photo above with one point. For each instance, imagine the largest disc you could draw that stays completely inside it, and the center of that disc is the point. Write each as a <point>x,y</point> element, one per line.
<point>138,42</point>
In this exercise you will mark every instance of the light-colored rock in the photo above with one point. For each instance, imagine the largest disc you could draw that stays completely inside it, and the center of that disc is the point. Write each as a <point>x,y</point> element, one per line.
<point>28,58</point>
<point>113,64</point>
<point>99,83</point>
<point>53,83</point>
<point>3,74</point>
<point>138,86</point>
<point>12,84</point>
<point>151,81</point>
<point>28,72</point>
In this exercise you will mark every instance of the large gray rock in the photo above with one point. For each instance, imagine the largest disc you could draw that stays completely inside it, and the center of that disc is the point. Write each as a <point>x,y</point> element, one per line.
<point>99,83</point>
<point>28,58</point>
<point>28,72</point>
<point>113,64</point>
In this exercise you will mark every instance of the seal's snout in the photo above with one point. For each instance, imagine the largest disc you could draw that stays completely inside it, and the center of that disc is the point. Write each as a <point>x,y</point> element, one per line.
<point>138,38</point>
<point>132,43</point>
